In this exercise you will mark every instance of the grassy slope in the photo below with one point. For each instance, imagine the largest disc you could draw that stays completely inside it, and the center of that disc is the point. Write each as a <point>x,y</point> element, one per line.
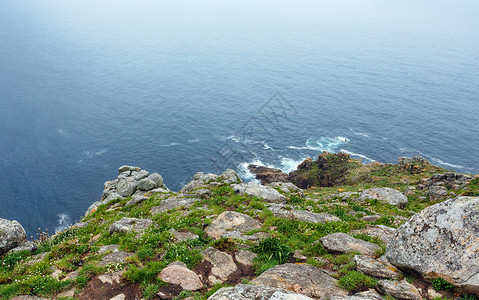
<point>76,249</point>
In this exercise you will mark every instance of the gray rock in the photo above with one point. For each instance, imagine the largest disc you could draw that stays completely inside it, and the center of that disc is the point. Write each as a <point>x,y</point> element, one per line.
<point>300,278</point>
<point>255,292</point>
<point>372,218</point>
<point>124,168</point>
<point>117,257</point>
<point>223,263</point>
<point>108,248</point>
<point>442,240</point>
<point>382,232</point>
<point>229,176</point>
<point>231,221</point>
<point>437,193</point>
<point>286,187</point>
<point>172,203</point>
<point>27,246</point>
<point>367,295</point>
<point>254,189</point>
<point>12,235</point>
<point>130,224</point>
<point>392,196</point>
<point>136,199</point>
<point>192,186</point>
<point>399,289</point>
<point>343,243</point>
<point>126,187</point>
<point>111,278</point>
<point>411,190</point>
<point>146,184</point>
<point>181,275</point>
<point>157,179</point>
<point>282,211</point>
<point>379,268</point>
<point>205,178</point>
<point>183,236</point>
<point>139,175</point>
<point>245,257</point>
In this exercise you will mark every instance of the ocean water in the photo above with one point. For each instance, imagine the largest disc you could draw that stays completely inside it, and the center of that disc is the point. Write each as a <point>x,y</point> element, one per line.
<point>182,86</point>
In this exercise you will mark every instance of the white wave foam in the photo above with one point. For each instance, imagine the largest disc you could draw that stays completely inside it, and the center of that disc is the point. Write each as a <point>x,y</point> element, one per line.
<point>102,151</point>
<point>323,144</point>
<point>194,141</point>
<point>441,162</point>
<point>64,221</point>
<point>245,173</point>
<point>267,147</point>
<point>170,144</point>
<point>357,154</point>
<point>60,131</point>
<point>359,133</point>
<point>289,165</point>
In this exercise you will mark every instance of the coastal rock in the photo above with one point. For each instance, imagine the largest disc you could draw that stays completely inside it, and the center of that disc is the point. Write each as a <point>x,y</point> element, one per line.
<point>268,175</point>
<point>437,193</point>
<point>441,241</point>
<point>117,257</point>
<point>254,189</point>
<point>172,203</point>
<point>177,273</point>
<point>245,257</point>
<point>27,246</point>
<point>130,224</point>
<point>399,289</point>
<point>282,211</point>
<point>126,187</point>
<point>300,278</point>
<point>146,184</point>
<point>382,232</point>
<point>12,235</point>
<point>329,169</point>
<point>379,268</point>
<point>343,243</point>
<point>287,188</point>
<point>223,263</point>
<point>255,292</point>
<point>231,221</point>
<point>229,176</point>
<point>392,196</point>
<point>129,169</point>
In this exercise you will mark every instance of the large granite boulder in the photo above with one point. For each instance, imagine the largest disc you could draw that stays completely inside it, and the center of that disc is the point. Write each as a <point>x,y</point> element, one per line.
<point>205,181</point>
<point>222,263</point>
<point>255,292</point>
<point>12,235</point>
<point>441,241</point>
<point>301,278</point>
<point>229,221</point>
<point>343,243</point>
<point>255,189</point>
<point>391,196</point>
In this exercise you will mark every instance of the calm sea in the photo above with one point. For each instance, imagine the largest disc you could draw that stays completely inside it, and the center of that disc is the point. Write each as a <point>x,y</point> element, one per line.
<point>182,86</point>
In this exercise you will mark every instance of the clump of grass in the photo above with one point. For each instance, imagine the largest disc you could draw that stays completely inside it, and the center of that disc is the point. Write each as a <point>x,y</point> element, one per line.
<point>225,244</point>
<point>440,283</point>
<point>271,252</point>
<point>355,281</point>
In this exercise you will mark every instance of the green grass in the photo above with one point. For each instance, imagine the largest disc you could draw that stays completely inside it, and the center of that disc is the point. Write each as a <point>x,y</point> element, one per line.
<point>354,281</point>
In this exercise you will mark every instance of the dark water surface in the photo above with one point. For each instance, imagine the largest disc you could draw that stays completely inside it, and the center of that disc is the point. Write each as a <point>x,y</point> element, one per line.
<point>182,86</point>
